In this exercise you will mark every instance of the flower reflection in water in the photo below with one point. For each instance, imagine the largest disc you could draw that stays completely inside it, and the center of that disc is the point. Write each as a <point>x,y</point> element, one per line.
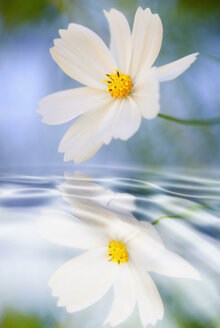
<point>109,234</point>
<point>191,229</point>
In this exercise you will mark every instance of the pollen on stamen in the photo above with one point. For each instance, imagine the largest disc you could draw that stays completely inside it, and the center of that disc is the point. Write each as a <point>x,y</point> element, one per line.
<point>119,84</point>
<point>118,252</point>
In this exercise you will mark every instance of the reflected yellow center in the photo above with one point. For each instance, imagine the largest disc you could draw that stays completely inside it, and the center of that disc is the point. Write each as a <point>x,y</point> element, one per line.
<point>117,252</point>
<point>119,84</point>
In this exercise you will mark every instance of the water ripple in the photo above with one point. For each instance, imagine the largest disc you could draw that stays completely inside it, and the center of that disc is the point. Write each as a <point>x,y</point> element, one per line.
<point>149,195</point>
<point>183,208</point>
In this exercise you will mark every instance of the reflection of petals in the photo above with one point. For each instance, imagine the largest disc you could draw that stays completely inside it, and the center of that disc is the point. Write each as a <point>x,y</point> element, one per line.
<point>172,265</point>
<point>124,297</point>
<point>203,247</point>
<point>149,302</point>
<point>119,251</point>
<point>146,246</point>
<point>62,228</point>
<point>79,189</point>
<point>83,281</point>
<point>122,202</point>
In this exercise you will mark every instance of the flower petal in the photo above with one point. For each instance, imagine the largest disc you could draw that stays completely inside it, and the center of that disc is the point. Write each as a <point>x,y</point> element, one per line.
<point>148,251</point>
<point>83,280</point>
<point>127,119</point>
<point>83,56</point>
<point>65,229</point>
<point>95,216</point>
<point>172,265</point>
<point>148,231</point>
<point>149,302</point>
<point>63,106</point>
<point>123,202</point>
<point>172,70</point>
<point>87,134</point>
<point>111,224</point>
<point>119,118</point>
<point>124,297</point>
<point>146,93</point>
<point>120,45</point>
<point>80,187</point>
<point>145,246</point>
<point>147,36</point>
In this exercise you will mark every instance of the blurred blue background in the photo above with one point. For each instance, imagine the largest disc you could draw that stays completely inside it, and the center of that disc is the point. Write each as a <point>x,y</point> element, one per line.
<point>28,73</point>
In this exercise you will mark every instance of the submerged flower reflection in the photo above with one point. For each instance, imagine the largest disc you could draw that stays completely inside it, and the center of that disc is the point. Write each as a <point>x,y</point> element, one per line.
<point>80,190</point>
<point>120,251</point>
<point>121,86</point>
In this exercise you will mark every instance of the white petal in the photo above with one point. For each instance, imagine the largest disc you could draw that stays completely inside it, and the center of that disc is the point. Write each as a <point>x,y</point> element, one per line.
<point>94,215</point>
<point>124,296</point>
<point>122,202</point>
<point>82,281</point>
<point>146,93</point>
<point>148,231</point>
<point>63,106</point>
<point>127,120</point>
<point>80,187</point>
<point>124,228</point>
<point>83,56</point>
<point>172,265</point>
<point>148,250</point>
<point>172,70</point>
<point>109,224</point>
<point>145,246</point>
<point>87,134</point>
<point>147,36</point>
<point>65,229</point>
<point>120,45</point>
<point>118,118</point>
<point>149,302</point>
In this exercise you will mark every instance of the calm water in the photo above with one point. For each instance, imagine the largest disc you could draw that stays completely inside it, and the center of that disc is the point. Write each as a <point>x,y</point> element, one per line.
<point>190,199</point>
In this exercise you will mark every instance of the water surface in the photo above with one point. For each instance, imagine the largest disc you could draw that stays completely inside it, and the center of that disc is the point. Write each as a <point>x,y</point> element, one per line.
<point>183,206</point>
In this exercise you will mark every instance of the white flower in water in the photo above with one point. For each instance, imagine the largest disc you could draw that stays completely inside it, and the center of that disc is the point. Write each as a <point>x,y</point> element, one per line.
<point>119,253</point>
<point>121,86</point>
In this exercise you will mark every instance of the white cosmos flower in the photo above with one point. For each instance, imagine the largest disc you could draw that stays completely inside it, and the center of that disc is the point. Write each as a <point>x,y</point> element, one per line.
<point>110,106</point>
<point>119,253</point>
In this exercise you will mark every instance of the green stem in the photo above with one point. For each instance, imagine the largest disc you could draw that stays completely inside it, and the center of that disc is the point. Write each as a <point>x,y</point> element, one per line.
<point>184,216</point>
<point>167,217</point>
<point>213,121</point>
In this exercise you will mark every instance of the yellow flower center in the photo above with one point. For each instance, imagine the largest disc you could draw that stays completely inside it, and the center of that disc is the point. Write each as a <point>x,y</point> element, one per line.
<point>117,251</point>
<point>119,84</point>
